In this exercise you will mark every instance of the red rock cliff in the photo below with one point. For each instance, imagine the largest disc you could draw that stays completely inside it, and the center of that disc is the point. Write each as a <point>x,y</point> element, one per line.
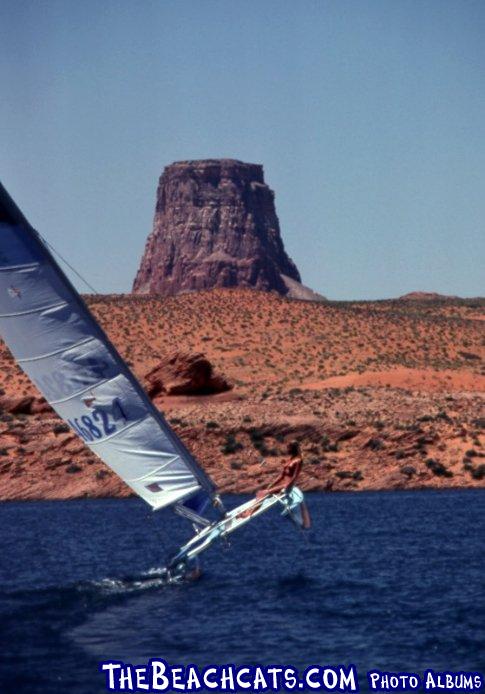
<point>215,226</point>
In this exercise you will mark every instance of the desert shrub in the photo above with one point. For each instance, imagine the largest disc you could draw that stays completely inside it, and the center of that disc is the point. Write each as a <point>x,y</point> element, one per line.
<point>375,444</point>
<point>260,445</point>
<point>437,468</point>
<point>61,429</point>
<point>211,425</point>
<point>408,470</point>
<point>344,474</point>
<point>256,436</point>
<point>478,473</point>
<point>231,445</point>
<point>73,468</point>
<point>421,442</point>
<point>347,435</point>
<point>467,463</point>
<point>470,356</point>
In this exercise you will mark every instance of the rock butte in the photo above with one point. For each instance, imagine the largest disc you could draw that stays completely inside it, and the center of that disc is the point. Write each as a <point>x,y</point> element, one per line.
<point>216,226</point>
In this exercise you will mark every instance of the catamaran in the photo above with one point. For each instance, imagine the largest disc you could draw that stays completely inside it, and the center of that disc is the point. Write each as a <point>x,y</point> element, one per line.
<point>64,351</point>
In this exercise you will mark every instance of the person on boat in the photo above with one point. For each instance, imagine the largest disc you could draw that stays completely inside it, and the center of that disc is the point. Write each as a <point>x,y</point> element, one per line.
<point>288,476</point>
<point>285,480</point>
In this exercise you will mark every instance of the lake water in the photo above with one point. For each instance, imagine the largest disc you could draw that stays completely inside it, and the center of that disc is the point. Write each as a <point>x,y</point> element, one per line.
<point>392,581</point>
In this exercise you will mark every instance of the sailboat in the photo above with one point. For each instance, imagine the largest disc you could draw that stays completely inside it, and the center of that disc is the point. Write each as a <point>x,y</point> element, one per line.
<point>64,351</point>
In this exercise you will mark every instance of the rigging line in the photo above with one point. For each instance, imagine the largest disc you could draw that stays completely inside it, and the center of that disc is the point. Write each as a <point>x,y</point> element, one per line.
<point>70,266</point>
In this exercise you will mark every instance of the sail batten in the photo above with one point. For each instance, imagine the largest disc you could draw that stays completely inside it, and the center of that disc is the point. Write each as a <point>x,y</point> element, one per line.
<point>78,393</point>
<point>56,352</point>
<point>34,310</point>
<point>123,430</point>
<point>61,347</point>
<point>7,268</point>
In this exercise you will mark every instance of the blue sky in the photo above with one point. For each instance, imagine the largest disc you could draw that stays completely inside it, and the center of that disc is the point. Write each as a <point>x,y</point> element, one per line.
<point>368,116</point>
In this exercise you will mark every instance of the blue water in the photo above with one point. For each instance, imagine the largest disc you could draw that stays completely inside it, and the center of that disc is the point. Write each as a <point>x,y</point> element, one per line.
<point>393,581</point>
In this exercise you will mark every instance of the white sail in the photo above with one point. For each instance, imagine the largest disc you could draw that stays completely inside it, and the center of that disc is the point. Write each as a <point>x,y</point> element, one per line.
<point>61,347</point>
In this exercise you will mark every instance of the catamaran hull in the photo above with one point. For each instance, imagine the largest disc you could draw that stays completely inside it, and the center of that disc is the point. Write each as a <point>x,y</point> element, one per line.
<point>291,501</point>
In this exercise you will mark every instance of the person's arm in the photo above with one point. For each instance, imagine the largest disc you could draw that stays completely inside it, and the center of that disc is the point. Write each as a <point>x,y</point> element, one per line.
<point>274,486</point>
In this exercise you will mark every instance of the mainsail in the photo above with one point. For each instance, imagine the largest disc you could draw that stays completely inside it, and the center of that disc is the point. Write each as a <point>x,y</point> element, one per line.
<point>61,347</point>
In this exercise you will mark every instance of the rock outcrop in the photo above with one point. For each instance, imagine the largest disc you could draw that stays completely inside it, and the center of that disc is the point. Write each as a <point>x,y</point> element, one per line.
<point>185,374</point>
<point>215,226</point>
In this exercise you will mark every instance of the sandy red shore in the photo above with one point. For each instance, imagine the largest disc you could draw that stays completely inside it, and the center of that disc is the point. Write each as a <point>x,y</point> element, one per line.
<point>382,395</point>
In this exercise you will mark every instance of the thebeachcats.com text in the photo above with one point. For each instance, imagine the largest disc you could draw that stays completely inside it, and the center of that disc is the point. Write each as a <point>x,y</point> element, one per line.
<point>158,676</point>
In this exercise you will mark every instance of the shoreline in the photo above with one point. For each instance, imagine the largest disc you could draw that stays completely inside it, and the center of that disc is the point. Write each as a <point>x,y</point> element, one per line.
<point>310,494</point>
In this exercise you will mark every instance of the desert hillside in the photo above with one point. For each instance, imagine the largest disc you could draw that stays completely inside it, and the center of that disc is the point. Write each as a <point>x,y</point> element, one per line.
<point>382,395</point>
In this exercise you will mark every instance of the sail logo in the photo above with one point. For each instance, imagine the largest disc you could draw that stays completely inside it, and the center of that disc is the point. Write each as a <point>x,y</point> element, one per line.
<point>100,423</point>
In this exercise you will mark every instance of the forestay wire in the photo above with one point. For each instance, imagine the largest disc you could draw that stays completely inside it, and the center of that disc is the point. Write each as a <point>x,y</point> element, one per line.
<point>69,266</point>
